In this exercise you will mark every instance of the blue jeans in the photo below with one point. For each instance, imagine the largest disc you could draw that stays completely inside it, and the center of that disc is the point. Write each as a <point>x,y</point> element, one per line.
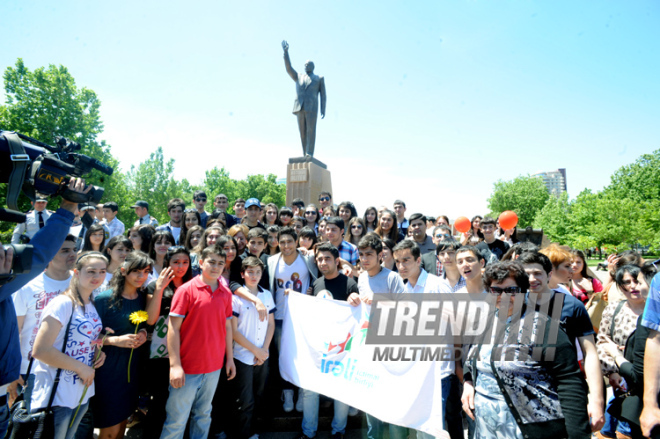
<point>310,421</point>
<point>62,419</point>
<point>612,424</point>
<point>194,397</point>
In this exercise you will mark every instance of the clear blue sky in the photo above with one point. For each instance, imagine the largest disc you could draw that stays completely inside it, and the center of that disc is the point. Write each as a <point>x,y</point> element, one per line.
<point>430,102</point>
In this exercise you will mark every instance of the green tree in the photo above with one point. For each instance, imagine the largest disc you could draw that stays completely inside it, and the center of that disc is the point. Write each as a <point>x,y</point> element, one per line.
<point>555,219</point>
<point>265,188</point>
<point>153,181</point>
<point>639,180</point>
<point>524,195</point>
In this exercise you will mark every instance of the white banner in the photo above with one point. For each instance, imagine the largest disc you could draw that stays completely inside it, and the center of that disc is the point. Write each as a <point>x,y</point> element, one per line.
<point>323,350</point>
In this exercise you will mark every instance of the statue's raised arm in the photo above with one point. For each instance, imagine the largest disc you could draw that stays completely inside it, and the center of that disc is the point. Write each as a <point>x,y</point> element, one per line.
<point>287,61</point>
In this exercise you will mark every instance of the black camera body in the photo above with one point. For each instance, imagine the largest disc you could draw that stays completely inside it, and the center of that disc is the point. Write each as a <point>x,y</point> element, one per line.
<point>31,166</point>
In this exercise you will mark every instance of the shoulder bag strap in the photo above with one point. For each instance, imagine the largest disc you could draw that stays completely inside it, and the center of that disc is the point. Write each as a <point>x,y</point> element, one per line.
<point>616,311</point>
<point>59,371</point>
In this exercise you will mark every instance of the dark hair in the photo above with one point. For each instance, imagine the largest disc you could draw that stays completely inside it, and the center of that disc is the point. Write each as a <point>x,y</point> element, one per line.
<point>408,244</point>
<point>327,247</point>
<point>287,231</point>
<point>238,200</point>
<point>445,217</point>
<point>580,254</point>
<point>257,232</point>
<point>87,243</point>
<point>214,249</point>
<point>350,206</point>
<point>114,241</point>
<point>285,211</point>
<point>374,224</point>
<point>158,236</point>
<point>415,217</point>
<point>173,251</point>
<point>298,202</point>
<point>393,234</point>
<point>649,270</point>
<point>223,240</point>
<point>251,261</point>
<point>389,243</point>
<point>73,291</point>
<point>70,238</point>
<point>536,258</point>
<point>184,228</point>
<point>146,232</point>
<point>519,248</point>
<point>174,203</point>
<point>479,234</point>
<point>135,261</point>
<point>399,202</point>
<point>277,213</point>
<point>199,194</point>
<point>216,214</point>
<point>307,232</point>
<point>325,193</point>
<point>442,227</point>
<point>313,207</point>
<point>633,270</point>
<point>348,234</point>
<point>111,205</point>
<point>202,243</point>
<point>488,221</point>
<point>447,244</point>
<point>336,221</point>
<point>501,271</point>
<point>189,236</point>
<point>299,218</point>
<point>628,257</point>
<point>273,229</point>
<point>220,196</point>
<point>431,219</point>
<point>472,249</point>
<point>371,240</point>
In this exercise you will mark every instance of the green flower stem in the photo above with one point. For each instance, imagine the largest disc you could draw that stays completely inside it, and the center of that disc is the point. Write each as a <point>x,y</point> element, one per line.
<point>98,354</point>
<point>131,357</point>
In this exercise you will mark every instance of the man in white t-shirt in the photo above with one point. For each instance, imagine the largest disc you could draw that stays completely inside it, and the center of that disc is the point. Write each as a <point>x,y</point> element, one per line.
<point>31,300</point>
<point>288,271</point>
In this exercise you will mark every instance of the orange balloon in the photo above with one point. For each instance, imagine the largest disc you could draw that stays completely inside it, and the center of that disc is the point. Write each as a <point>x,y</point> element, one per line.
<point>462,224</point>
<point>508,220</point>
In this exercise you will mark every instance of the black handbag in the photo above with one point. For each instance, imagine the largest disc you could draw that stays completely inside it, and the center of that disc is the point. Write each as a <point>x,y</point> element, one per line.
<point>26,425</point>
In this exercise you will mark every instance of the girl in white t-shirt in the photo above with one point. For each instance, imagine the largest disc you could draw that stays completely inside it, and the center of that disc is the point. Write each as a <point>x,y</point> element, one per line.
<point>77,360</point>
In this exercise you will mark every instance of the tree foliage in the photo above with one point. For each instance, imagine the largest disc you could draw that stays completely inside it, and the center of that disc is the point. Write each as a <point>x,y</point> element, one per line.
<point>265,188</point>
<point>524,195</point>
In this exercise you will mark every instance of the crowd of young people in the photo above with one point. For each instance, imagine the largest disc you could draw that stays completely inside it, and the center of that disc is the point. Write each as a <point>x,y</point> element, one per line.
<point>180,325</point>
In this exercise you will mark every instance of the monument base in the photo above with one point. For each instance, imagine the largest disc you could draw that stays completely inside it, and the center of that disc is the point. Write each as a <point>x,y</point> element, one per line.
<point>306,178</point>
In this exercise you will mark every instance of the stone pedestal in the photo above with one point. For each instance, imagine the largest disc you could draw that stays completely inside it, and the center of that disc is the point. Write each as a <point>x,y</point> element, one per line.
<point>306,177</point>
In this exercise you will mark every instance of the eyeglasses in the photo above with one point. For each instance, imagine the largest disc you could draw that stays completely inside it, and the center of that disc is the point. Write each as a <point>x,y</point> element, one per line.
<point>310,212</point>
<point>356,226</point>
<point>442,236</point>
<point>200,199</point>
<point>285,214</point>
<point>507,290</point>
<point>324,198</point>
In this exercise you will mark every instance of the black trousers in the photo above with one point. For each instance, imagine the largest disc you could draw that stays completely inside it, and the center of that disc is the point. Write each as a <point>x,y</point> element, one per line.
<point>247,391</point>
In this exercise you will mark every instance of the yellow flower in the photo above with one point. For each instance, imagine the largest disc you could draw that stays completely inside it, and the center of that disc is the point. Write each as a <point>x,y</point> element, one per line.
<point>138,317</point>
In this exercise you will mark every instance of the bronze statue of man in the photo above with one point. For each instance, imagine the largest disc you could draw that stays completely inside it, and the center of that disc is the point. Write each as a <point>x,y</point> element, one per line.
<point>305,107</point>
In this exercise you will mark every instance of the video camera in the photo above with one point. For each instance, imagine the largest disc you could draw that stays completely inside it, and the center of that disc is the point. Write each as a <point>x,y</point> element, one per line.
<point>32,166</point>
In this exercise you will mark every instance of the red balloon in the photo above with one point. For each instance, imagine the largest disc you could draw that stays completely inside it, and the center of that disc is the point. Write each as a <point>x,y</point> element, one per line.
<point>508,220</point>
<point>462,224</point>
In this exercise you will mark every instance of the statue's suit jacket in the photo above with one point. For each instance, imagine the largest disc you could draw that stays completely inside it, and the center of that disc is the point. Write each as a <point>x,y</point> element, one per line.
<point>308,88</point>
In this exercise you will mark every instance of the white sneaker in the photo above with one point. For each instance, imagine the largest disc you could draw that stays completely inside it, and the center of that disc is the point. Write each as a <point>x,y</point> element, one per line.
<point>299,403</point>
<point>352,411</point>
<point>287,397</point>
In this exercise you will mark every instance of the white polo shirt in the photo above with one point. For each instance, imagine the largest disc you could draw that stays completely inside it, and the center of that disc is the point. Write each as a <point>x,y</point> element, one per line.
<point>249,325</point>
<point>430,284</point>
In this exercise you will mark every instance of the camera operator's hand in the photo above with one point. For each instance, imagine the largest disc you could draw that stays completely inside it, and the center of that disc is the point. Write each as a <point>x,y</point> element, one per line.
<point>75,185</point>
<point>6,259</point>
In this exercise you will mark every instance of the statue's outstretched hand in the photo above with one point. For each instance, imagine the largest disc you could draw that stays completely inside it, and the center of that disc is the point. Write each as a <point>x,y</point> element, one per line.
<point>285,45</point>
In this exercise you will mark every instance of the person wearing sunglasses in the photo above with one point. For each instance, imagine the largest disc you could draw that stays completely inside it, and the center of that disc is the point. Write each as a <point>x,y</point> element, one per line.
<point>200,200</point>
<point>325,199</point>
<point>520,396</point>
<point>312,217</point>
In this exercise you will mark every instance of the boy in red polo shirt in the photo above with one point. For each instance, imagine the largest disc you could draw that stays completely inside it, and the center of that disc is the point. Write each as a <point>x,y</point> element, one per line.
<point>197,341</point>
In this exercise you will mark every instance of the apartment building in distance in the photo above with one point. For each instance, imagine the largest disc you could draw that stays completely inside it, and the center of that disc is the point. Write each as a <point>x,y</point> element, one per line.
<point>555,181</point>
